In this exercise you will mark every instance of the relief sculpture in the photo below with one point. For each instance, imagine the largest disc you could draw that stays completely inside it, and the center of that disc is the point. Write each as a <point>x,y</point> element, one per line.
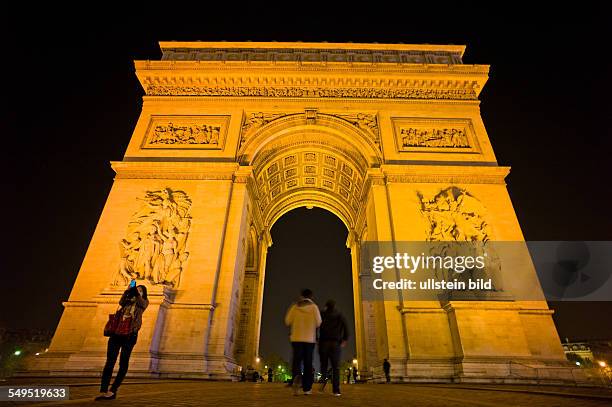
<point>457,226</point>
<point>154,247</point>
<point>453,137</point>
<point>365,122</point>
<point>187,134</point>
<point>255,121</point>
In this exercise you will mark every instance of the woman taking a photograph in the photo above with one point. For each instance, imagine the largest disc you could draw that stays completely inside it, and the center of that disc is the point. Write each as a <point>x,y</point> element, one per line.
<point>133,302</point>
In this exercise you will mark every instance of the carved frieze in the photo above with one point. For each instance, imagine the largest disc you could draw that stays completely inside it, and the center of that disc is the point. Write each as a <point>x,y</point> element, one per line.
<point>185,132</point>
<point>432,137</point>
<point>419,135</point>
<point>317,92</point>
<point>154,246</point>
<point>366,56</point>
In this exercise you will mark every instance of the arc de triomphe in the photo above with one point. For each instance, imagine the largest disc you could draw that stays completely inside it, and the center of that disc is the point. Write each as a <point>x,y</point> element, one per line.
<point>234,135</point>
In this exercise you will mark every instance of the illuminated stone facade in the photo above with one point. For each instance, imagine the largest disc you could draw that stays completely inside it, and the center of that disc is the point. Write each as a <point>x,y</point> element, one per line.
<point>234,135</point>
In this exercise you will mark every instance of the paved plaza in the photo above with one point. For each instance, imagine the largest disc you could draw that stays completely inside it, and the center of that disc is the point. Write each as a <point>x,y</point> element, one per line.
<point>202,393</point>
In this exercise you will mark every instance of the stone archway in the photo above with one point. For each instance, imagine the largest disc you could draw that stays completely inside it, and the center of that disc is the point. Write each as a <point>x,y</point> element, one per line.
<point>233,135</point>
<point>301,161</point>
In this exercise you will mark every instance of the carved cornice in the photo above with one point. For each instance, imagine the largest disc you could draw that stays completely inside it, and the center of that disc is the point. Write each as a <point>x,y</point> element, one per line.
<point>448,174</point>
<point>174,170</point>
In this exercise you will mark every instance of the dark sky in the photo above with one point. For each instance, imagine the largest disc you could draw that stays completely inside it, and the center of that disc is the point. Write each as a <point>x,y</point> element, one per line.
<point>71,100</point>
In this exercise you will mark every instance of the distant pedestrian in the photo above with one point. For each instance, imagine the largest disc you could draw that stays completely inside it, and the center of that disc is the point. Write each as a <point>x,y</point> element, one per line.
<point>133,303</point>
<point>304,318</point>
<point>270,374</point>
<point>333,335</point>
<point>387,370</point>
<point>355,375</point>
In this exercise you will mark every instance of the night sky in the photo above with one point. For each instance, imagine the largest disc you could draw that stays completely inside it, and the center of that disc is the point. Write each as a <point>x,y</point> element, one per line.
<point>71,100</point>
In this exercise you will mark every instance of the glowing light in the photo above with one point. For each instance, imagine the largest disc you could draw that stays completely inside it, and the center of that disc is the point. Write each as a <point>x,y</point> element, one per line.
<point>602,363</point>
<point>280,367</point>
<point>257,359</point>
<point>354,361</point>
<point>37,353</point>
<point>266,366</point>
<point>17,353</point>
<point>577,363</point>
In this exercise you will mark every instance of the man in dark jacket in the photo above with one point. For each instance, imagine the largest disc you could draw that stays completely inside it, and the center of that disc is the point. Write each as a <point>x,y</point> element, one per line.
<point>333,335</point>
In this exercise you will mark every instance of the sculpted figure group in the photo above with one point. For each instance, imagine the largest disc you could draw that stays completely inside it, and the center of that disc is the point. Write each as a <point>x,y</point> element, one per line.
<point>456,223</point>
<point>154,248</point>
<point>454,138</point>
<point>193,134</point>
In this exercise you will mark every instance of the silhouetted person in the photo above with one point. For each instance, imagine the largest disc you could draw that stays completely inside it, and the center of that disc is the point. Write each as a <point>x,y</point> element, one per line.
<point>387,370</point>
<point>133,302</point>
<point>355,375</point>
<point>304,318</point>
<point>270,375</point>
<point>333,335</point>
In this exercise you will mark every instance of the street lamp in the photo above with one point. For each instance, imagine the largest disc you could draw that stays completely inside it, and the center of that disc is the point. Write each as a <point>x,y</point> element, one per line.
<point>355,361</point>
<point>17,352</point>
<point>257,359</point>
<point>602,363</point>
<point>577,363</point>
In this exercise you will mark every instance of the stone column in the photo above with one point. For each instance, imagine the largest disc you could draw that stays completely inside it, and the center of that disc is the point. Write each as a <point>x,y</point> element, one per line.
<point>226,291</point>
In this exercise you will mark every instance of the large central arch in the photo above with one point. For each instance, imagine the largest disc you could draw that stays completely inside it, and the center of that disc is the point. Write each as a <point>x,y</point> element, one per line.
<point>301,161</point>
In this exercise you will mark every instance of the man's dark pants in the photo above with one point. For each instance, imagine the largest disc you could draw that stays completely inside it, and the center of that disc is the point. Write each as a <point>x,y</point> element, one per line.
<point>302,353</point>
<point>330,351</point>
<point>116,343</point>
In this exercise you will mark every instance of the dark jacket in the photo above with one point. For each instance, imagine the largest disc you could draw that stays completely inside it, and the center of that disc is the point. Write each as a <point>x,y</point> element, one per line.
<point>333,327</point>
<point>141,304</point>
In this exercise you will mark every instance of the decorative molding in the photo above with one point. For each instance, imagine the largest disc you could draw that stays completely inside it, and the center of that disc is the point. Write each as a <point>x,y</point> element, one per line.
<point>445,179</point>
<point>174,170</point>
<point>448,174</point>
<point>314,92</point>
<point>186,132</point>
<point>322,54</point>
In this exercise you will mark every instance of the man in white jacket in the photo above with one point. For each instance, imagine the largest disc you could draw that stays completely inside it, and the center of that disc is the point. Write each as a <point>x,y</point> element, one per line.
<point>304,318</point>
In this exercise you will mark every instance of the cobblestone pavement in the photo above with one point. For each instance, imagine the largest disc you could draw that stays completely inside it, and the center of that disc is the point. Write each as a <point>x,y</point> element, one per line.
<point>199,393</point>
